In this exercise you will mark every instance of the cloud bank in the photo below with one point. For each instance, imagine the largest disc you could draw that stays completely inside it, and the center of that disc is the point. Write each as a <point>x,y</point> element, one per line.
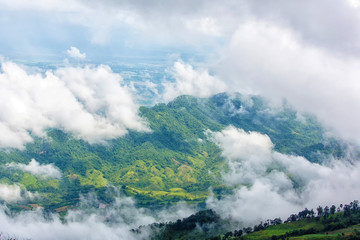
<point>44,170</point>
<point>89,221</point>
<point>90,102</point>
<point>275,62</point>
<point>79,225</point>
<point>269,184</point>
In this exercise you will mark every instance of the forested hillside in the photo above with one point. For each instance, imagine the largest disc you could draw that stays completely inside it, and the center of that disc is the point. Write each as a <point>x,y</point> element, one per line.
<point>177,160</point>
<point>334,222</point>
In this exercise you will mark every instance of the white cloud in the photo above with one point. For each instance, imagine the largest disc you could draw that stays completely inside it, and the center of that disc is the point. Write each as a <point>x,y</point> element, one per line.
<point>89,221</point>
<point>14,193</point>
<point>90,102</point>
<point>33,225</point>
<point>75,53</point>
<point>239,147</point>
<point>46,170</point>
<point>273,61</point>
<point>192,82</point>
<point>354,3</point>
<point>10,193</point>
<point>264,179</point>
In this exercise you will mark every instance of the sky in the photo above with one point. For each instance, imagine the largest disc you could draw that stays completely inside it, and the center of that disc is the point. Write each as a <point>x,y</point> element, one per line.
<point>60,68</point>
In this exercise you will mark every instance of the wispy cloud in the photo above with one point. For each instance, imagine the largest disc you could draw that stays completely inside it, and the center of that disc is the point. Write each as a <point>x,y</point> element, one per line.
<point>43,170</point>
<point>269,184</point>
<point>89,221</point>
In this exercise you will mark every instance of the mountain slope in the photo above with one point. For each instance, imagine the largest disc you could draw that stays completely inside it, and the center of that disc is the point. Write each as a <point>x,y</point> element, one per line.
<point>177,160</point>
<point>333,222</point>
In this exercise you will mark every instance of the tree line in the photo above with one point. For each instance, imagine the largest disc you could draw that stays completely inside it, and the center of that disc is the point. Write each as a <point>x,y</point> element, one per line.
<point>331,218</point>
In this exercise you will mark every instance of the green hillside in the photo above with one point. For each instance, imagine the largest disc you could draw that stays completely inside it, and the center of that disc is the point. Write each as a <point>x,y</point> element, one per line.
<point>342,222</point>
<point>175,161</point>
<point>327,223</point>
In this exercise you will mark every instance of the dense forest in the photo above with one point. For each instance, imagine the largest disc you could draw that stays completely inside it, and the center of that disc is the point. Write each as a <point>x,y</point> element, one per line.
<point>177,160</point>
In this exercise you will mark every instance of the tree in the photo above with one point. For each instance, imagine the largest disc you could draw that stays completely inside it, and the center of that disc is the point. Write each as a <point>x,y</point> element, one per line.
<point>326,211</point>
<point>312,213</point>
<point>292,218</point>
<point>276,221</point>
<point>228,234</point>
<point>332,209</point>
<point>347,210</point>
<point>319,211</point>
<point>259,227</point>
<point>338,209</point>
<point>354,205</point>
<point>247,230</point>
<point>238,233</point>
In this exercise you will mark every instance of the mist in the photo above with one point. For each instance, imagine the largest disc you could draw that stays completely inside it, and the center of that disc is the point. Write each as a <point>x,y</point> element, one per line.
<point>275,62</point>
<point>269,184</point>
<point>91,219</point>
<point>266,184</point>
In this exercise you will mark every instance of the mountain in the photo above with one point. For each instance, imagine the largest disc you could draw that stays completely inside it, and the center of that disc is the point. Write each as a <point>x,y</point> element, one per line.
<point>177,160</point>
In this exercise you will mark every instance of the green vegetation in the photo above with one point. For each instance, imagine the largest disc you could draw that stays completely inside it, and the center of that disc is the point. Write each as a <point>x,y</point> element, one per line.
<point>201,225</point>
<point>329,223</point>
<point>176,161</point>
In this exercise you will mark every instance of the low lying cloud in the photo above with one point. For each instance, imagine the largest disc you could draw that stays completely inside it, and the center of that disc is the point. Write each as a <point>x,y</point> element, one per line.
<point>196,82</point>
<point>91,220</point>
<point>90,102</point>
<point>10,193</point>
<point>276,62</point>
<point>14,193</point>
<point>43,170</point>
<point>32,225</point>
<point>267,184</point>
<point>75,53</point>
<point>270,184</point>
